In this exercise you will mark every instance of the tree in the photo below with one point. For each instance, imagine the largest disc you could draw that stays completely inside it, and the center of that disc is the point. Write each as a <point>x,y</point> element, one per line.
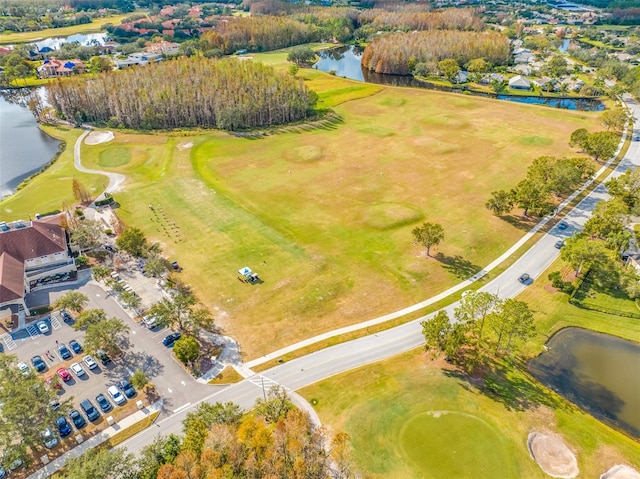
<point>130,299</point>
<point>512,323</point>
<point>100,272</point>
<point>186,349</point>
<point>341,454</point>
<point>97,463</point>
<point>428,235</point>
<point>179,312</point>
<point>156,266</point>
<point>99,64</point>
<point>500,203</point>
<point>87,235</point>
<point>197,424</point>
<point>301,54</point>
<point>533,196</point>
<point>88,317</point>
<point>579,138</point>
<point>436,332</point>
<point>614,119</point>
<point>478,65</point>
<point>276,406</point>
<point>133,241</point>
<point>556,67</point>
<point>582,253</point>
<point>80,193</point>
<point>474,309</point>
<point>608,221</point>
<point>449,68</point>
<point>163,450</point>
<point>72,300</point>
<point>111,335</point>
<point>602,144</point>
<point>139,379</point>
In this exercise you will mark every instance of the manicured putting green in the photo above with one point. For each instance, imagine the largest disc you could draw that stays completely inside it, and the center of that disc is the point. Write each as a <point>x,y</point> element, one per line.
<point>117,156</point>
<point>447,444</point>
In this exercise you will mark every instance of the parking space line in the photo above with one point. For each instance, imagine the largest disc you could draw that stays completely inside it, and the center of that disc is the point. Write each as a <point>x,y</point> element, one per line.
<point>8,341</point>
<point>55,323</point>
<point>33,332</point>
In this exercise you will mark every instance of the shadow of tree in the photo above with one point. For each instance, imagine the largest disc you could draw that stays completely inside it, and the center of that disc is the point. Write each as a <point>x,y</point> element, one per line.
<point>151,366</point>
<point>521,222</point>
<point>458,266</point>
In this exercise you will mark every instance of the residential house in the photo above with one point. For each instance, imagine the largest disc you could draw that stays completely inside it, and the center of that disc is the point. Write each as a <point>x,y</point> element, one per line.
<point>547,84</point>
<point>491,77</point>
<point>519,82</point>
<point>53,67</point>
<point>163,47</point>
<point>523,69</point>
<point>139,58</point>
<point>461,77</point>
<point>32,254</point>
<point>524,57</point>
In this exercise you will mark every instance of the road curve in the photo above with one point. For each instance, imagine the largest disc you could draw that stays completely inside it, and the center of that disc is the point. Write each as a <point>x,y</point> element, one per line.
<point>328,362</point>
<point>115,179</point>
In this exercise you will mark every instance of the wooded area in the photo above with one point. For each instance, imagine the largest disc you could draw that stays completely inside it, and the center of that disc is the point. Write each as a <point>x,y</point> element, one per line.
<point>396,53</point>
<point>227,94</point>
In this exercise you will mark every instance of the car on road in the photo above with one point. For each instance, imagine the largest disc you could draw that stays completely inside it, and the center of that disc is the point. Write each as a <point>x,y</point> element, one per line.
<point>172,338</point>
<point>63,427</point>
<point>559,244</point>
<point>75,346</point>
<point>77,419</point>
<point>127,388</point>
<point>43,327</point>
<point>116,395</point>
<point>77,369</point>
<point>24,369</point>
<point>66,317</point>
<point>89,362</point>
<point>48,438</point>
<point>103,357</point>
<point>103,403</point>
<point>64,351</point>
<point>38,364</point>
<point>89,409</point>
<point>64,374</point>
<point>562,225</point>
<point>53,384</point>
<point>524,278</point>
<point>109,248</point>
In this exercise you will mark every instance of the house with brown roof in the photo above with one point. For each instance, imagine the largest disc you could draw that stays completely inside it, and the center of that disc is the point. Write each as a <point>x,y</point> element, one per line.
<point>32,254</point>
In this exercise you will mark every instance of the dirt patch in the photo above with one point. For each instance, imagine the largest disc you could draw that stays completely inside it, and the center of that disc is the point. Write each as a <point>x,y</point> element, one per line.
<point>184,146</point>
<point>620,471</point>
<point>97,137</point>
<point>552,455</point>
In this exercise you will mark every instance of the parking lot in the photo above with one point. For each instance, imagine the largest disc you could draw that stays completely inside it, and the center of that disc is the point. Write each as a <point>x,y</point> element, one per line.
<point>145,351</point>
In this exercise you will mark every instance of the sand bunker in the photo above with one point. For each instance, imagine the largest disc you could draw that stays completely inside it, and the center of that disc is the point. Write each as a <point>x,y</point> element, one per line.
<point>97,137</point>
<point>552,455</point>
<point>620,471</point>
<point>184,146</point>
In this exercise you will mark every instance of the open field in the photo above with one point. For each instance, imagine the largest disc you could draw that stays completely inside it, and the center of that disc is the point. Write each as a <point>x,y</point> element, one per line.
<point>606,298</point>
<point>28,37</point>
<point>325,215</point>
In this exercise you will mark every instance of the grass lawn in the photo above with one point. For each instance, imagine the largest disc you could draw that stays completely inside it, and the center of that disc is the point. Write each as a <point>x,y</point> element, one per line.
<point>610,299</point>
<point>325,215</point>
<point>26,37</point>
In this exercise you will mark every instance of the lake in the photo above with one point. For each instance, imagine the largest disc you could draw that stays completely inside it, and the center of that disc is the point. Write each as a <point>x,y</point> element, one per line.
<point>345,62</point>
<point>597,372</point>
<point>84,39</point>
<point>24,148</point>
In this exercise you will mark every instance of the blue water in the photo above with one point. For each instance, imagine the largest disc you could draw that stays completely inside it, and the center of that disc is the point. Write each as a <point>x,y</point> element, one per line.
<point>566,103</point>
<point>84,39</point>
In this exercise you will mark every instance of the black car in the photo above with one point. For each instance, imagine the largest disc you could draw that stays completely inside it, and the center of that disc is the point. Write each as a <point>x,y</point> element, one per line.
<point>103,403</point>
<point>38,363</point>
<point>127,388</point>
<point>66,317</point>
<point>63,427</point>
<point>77,419</point>
<point>172,338</point>
<point>89,409</point>
<point>103,357</point>
<point>524,278</point>
<point>64,351</point>
<point>75,345</point>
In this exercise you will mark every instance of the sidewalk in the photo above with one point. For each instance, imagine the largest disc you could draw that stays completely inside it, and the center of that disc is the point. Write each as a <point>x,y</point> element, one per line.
<point>96,440</point>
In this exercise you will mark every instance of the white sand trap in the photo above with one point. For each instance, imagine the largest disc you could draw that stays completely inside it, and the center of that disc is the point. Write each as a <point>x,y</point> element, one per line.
<point>552,455</point>
<point>184,146</point>
<point>620,471</point>
<point>97,137</point>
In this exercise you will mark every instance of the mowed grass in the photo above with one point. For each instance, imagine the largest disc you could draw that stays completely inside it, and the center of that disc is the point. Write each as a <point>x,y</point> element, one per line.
<point>94,27</point>
<point>325,216</point>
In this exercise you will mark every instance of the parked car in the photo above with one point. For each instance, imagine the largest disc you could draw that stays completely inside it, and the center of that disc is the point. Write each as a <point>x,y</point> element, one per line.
<point>38,363</point>
<point>77,419</point>
<point>48,438</point>
<point>89,409</point>
<point>53,384</point>
<point>562,225</point>
<point>64,351</point>
<point>116,395</point>
<point>24,369</point>
<point>75,346</point>
<point>64,374</point>
<point>54,404</point>
<point>560,244</point>
<point>66,317</point>
<point>89,362</point>
<point>150,321</point>
<point>172,338</point>
<point>103,357</point>
<point>524,278</point>
<point>3,473</point>
<point>103,403</point>
<point>43,327</point>
<point>63,427</point>
<point>77,369</point>
<point>127,388</point>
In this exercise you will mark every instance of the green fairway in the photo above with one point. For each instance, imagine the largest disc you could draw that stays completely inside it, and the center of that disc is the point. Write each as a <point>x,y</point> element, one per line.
<point>116,156</point>
<point>445,444</point>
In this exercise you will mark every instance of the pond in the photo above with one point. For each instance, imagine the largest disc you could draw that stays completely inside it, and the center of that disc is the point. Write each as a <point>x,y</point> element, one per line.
<point>595,371</point>
<point>24,147</point>
<point>84,39</point>
<point>345,62</point>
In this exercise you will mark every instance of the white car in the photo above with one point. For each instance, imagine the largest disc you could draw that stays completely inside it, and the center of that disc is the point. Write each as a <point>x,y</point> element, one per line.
<point>116,395</point>
<point>77,369</point>
<point>49,439</point>
<point>24,369</point>
<point>89,362</point>
<point>43,327</point>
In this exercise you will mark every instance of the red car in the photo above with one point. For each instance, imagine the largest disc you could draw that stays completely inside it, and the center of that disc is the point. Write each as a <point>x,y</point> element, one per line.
<point>64,374</point>
<point>52,384</point>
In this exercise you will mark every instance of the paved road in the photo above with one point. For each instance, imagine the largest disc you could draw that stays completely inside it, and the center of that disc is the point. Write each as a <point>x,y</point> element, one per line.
<point>343,357</point>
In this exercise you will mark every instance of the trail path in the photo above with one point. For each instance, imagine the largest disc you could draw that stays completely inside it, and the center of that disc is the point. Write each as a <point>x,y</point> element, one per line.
<point>115,179</point>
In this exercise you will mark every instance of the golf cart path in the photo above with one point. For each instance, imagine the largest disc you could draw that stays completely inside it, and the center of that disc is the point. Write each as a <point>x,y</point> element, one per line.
<point>115,179</point>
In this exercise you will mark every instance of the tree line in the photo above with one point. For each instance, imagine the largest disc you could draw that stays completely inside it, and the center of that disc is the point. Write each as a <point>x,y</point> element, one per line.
<point>226,94</point>
<point>409,19</point>
<point>398,53</point>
